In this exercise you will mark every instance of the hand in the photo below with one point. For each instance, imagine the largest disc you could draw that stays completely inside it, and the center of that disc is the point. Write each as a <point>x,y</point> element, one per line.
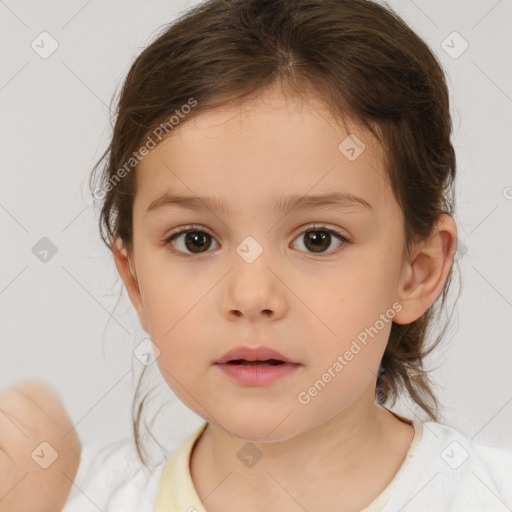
<point>39,449</point>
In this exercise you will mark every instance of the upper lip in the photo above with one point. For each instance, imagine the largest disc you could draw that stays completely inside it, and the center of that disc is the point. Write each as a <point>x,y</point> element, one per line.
<point>252,354</point>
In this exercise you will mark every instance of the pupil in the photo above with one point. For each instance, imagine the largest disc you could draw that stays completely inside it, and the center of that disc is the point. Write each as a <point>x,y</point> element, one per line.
<point>318,240</point>
<point>196,240</point>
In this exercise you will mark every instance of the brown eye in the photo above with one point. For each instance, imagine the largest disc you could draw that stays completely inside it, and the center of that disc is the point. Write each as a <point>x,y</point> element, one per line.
<point>193,242</point>
<point>319,238</point>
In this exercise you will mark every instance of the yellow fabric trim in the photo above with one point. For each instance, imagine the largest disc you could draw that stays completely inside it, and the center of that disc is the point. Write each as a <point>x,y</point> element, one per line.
<point>176,492</point>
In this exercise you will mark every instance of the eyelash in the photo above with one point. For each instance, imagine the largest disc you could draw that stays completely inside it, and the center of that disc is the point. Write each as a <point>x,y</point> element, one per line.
<point>198,229</point>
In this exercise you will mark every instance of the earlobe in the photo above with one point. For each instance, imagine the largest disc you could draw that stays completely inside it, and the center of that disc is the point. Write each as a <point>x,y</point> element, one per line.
<point>424,277</point>
<point>126,270</point>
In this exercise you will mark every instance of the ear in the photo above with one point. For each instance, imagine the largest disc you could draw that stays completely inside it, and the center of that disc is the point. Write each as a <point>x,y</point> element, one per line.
<point>424,277</point>
<point>126,270</point>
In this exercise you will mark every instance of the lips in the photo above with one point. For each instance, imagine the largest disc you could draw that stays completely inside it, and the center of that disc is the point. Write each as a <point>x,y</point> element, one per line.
<point>256,367</point>
<point>254,357</point>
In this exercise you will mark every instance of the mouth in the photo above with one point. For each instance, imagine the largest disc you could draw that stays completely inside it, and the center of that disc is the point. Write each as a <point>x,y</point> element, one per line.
<point>268,362</point>
<point>258,372</point>
<point>253,356</point>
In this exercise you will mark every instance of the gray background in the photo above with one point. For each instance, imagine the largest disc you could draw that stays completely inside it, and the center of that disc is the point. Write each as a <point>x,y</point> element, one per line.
<point>61,320</point>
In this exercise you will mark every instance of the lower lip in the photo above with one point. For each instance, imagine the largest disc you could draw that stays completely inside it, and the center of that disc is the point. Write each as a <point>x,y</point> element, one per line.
<point>257,375</point>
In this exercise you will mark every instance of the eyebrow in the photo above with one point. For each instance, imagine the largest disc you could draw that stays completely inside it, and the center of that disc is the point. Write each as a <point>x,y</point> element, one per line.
<point>281,203</point>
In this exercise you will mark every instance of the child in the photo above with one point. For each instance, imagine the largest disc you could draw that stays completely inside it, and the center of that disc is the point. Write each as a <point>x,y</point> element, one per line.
<point>278,200</point>
<point>39,449</point>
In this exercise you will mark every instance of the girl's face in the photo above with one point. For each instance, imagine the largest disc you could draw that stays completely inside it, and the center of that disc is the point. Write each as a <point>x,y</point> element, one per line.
<point>260,273</point>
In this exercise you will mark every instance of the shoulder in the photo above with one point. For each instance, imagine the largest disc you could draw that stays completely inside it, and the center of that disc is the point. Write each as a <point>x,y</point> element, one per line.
<point>450,471</point>
<point>113,477</point>
<point>457,450</point>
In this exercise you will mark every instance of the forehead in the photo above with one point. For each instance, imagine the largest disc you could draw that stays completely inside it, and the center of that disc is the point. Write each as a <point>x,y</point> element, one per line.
<point>263,148</point>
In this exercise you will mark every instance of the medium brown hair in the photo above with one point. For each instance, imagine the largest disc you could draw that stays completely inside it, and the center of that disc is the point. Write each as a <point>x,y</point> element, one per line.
<point>364,63</point>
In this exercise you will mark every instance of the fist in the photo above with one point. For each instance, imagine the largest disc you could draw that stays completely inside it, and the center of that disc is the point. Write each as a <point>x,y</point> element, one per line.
<point>39,449</point>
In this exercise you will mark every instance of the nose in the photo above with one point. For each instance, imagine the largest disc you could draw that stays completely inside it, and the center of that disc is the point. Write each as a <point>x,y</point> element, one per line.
<point>254,290</point>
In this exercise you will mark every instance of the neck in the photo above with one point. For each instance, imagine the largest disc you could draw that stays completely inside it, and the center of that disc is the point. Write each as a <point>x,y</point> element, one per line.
<point>348,452</point>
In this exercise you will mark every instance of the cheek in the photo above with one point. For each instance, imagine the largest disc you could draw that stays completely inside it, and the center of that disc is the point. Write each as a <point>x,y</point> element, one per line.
<point>178,328</point>
<point>166,298</point>
<point>351,300</point>
<point>351,317</point>
<point>173,326</point>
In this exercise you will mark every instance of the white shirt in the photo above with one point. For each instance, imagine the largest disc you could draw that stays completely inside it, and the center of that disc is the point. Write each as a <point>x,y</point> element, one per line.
<point>443,471</point>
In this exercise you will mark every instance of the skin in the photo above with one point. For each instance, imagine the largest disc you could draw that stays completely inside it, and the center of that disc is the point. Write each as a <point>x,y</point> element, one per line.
<point>31,413</point>
<point>308,306</point>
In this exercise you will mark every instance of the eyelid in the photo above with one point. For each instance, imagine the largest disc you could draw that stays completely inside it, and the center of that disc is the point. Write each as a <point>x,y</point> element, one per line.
<point>323,226</point>
<point>184,229</point>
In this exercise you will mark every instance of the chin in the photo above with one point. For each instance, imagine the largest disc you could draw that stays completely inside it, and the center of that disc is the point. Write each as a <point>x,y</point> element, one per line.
<point>258,428</point>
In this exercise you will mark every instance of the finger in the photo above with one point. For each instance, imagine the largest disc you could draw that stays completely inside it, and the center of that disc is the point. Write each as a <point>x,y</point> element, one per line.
<point>45,399</point>
<point>17,414</point>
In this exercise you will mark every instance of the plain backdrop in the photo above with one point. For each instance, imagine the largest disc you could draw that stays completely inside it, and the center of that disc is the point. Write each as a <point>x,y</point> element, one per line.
<point>62,319</point>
